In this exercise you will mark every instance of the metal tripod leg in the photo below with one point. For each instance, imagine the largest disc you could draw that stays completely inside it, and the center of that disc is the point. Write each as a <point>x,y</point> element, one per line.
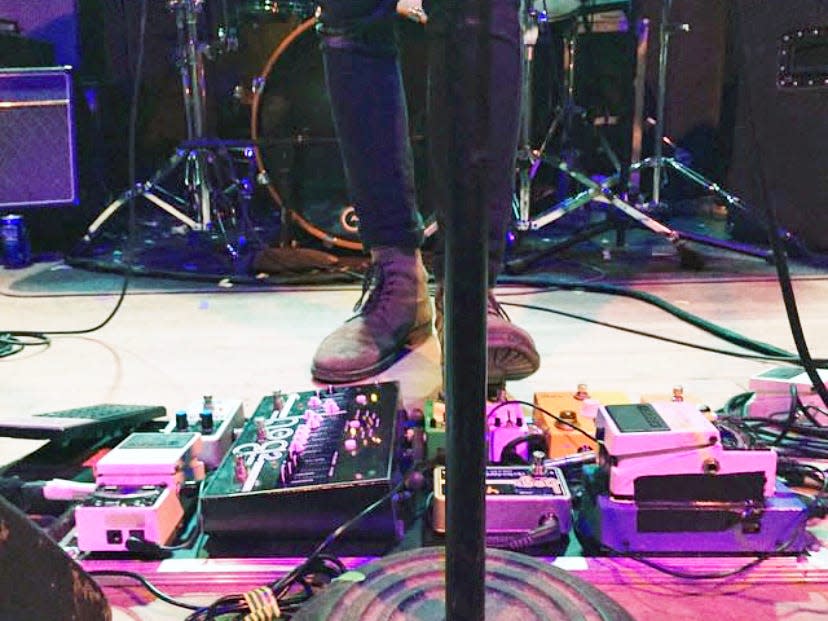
<point>536,157</point>
<point>604,193</point>
<point>711,186</point>
<point>149,190</point>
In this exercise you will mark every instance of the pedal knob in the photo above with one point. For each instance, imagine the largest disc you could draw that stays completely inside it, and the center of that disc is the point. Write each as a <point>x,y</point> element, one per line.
<point>278,401</point>
<point>287,471</point>
<point>566,416</point>
<point>206,421</point>
<point>240,469</point>
<point>261,431</point>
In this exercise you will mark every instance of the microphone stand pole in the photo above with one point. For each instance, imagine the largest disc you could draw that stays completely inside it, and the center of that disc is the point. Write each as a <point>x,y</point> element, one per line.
<point>466,238</point>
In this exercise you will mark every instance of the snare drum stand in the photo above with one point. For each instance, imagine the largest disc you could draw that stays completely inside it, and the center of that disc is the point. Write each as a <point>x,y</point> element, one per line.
<point>530,160</point>
<point>209,178</point>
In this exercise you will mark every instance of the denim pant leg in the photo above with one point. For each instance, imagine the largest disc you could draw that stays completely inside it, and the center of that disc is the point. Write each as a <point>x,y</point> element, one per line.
<point>504,100</point>
<point>364,81</point>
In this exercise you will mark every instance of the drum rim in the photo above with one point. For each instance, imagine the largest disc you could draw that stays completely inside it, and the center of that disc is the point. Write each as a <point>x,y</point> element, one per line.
<point>274,57</point>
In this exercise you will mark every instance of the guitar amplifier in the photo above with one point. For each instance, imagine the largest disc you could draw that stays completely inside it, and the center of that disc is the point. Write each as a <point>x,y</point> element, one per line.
<point>38,160</point>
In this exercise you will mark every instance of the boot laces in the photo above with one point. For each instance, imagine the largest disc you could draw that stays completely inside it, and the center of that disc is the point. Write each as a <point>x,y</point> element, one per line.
<point>372,284</point>
<point>494,308</point>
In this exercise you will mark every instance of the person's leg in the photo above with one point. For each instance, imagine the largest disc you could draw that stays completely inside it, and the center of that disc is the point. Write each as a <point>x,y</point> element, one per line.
<point>511,351</point>
<point>369,110</point>
<point>364,82</point>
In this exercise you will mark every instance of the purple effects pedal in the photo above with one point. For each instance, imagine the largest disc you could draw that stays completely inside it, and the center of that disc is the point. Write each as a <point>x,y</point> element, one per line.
<point>519,499</point>
<point>773,526</point>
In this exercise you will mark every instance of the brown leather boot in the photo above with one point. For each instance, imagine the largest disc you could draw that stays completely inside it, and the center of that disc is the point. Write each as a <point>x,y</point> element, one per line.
<point>510,350</point>
<point>394,311</point>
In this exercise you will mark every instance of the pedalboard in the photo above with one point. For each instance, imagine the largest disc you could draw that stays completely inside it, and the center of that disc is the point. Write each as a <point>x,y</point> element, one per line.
<point>215,420</point>
<point>114,513</point>
<point>307,462</point>
<point>519,499</point>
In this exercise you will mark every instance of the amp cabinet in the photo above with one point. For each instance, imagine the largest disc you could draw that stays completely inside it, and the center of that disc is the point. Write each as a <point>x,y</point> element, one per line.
<point>38,158</point>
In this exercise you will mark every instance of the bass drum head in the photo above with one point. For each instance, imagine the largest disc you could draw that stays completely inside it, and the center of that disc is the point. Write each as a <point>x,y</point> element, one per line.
<point>297,150</point>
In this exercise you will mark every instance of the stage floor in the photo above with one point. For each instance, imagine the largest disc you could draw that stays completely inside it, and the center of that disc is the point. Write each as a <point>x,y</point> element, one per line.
<point>170,346</point>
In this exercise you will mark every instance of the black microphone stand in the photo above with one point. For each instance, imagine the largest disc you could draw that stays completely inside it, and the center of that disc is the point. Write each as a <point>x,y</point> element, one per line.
<point>466,282</point>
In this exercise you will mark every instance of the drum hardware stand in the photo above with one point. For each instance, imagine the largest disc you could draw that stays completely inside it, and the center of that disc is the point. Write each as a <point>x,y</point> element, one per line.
<point>658,161</point>
<point>206,162</point>
<point>603,192</point>
<point>530,160</point>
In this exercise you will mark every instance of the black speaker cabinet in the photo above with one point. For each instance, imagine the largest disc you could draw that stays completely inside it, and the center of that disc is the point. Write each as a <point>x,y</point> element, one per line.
<point>780,49</point>
<point>37,138</point>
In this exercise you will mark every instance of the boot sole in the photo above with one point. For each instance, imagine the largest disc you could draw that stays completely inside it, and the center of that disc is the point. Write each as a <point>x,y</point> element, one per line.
<point>417,336</point>
<point>508,364</point>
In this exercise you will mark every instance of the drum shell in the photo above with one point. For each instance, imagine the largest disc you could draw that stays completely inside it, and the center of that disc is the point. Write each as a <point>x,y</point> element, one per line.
<point>298,150</point>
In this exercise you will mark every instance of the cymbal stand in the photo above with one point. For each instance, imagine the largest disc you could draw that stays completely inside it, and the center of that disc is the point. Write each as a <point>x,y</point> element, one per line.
<point>658,162</point>
<point>208,169</point>
<point>530,159</point>
<point>525,157</point>
<point>603,191</point>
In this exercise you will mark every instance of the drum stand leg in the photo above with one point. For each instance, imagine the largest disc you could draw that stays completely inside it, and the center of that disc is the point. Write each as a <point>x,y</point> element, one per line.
<point>530,160</point>
<point>603,192</point>
<point>658,162</point>
<point>208,168</point>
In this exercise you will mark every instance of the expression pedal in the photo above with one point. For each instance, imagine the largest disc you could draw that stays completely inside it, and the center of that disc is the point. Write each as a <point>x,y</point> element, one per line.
<point>519,500</point>
<point>304,464</point>
<point>215,420</point>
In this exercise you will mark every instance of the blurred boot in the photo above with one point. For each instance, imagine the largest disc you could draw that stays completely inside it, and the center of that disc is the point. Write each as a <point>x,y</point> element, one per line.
<point>510,350</point>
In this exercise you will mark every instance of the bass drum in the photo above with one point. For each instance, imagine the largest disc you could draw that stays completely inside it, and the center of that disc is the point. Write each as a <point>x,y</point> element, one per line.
<point>297,152</point>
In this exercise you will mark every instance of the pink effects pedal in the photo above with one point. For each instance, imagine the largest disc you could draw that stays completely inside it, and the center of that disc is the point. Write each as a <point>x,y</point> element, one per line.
<point>114,513</point>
